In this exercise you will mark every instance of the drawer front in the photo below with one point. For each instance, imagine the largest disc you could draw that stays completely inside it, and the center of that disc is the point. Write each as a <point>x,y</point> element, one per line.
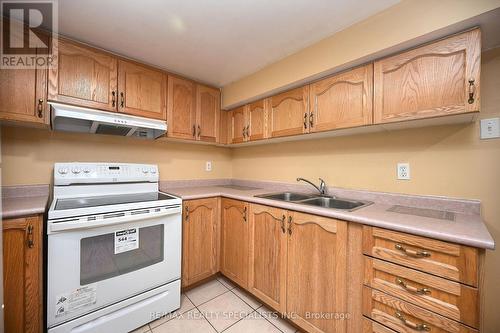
<point>450,299</point>
<point>448,260</point>
<point>404,317</point>
<point>370,326</point>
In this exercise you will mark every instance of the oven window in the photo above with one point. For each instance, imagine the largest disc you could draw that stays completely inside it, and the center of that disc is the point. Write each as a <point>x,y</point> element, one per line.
<point>98,260</point>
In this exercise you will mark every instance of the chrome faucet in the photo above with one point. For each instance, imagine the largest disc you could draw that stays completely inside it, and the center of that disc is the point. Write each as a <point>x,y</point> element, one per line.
<point>321,188</point>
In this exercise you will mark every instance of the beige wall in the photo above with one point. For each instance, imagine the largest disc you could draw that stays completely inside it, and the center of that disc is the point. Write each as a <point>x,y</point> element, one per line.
<point>446,160</point>
<point>28,155</point>
<point>405,21</point>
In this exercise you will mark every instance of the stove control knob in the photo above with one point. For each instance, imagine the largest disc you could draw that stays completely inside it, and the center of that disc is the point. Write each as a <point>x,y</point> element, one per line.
<point>153,170</point>
<point>62,171</point>
<point>75,170</point>
<point>86,170</point>
<point>145,170</point>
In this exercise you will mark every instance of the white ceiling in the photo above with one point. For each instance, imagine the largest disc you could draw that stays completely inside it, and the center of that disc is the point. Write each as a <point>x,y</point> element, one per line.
<point>214,41</point>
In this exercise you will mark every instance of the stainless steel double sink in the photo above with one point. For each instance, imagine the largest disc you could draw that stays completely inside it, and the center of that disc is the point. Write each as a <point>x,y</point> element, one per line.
<point>323,201</point>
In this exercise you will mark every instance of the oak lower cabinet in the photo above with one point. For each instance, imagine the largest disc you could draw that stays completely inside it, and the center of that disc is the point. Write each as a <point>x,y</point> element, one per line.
<point>23,277</point>
<point>200,242</point>
<point>289,113</point>
<point>437,79</point>
<point>142,90</point>
<point>298,266</point>
<point>343,100</point>
<point>268,255</point>
<point>84,76</point>
<point>234,241</point>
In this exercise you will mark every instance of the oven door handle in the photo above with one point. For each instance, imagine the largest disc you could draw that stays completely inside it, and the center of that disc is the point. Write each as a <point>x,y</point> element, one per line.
<point>73,225</point>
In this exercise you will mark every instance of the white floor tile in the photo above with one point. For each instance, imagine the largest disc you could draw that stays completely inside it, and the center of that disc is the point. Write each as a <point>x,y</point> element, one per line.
<point>225,310</point>
<point>206,292</point>
<point>251,324</point>
<point>191,322</point>
<point>226,282</point>
<point>186,305</point>
<point>252,301</point>
<point>276,320</point>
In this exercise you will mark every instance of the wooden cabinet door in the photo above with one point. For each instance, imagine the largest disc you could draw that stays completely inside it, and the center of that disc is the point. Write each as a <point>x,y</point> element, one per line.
<point>142,90</point>
<point>234,241</point>
<point>181,115</point>
<point>199,240</point>
<point>225,129</point>
<point>289,113</point>
<point>238,125</point>
<point>84,77</point>
<point>22,272</point>
<point>207,113</point>
<point>256,122</point>
<point>268,255</point>
<point>317,271</point>
<point>434,80</point>
<point>343,100</point>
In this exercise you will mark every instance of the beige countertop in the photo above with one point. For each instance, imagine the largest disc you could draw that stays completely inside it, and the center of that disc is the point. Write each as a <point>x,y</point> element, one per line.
<point>467,228</point>
<point>24,201</point>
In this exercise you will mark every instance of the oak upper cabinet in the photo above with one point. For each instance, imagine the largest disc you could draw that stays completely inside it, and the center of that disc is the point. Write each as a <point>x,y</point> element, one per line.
<point>437,79</point>
<point>234,241</point>
<point>142,90</point>
<point>289,113</point>
<point>238,125</point>
<point>199,240</point>
<point>256,128</point>
<point>83,76</point>
<point>317,274</point>
<point>225,129</point>
<point>181,111</point>
<point>207,113</point>
<point>343,100</point>
<point>22,274</point>
<point>268,255</point>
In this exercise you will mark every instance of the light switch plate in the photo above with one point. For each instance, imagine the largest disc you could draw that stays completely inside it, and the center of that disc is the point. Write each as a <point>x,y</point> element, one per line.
<point>490,128</point>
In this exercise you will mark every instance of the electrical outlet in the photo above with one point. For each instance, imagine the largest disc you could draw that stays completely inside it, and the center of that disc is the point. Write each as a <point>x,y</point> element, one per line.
<point>208,166</point>
<point>490,128</point>
<point>404,171</point>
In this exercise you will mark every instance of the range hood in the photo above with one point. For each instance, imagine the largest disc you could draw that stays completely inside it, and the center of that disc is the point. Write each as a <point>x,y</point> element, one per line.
<point>77,119</point>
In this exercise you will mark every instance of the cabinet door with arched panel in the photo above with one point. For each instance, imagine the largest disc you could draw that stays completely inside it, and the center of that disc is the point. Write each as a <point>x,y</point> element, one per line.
<point>289,113</point>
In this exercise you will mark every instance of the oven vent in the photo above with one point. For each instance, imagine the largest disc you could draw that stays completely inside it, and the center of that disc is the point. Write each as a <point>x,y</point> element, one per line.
<point>110,216</point>
<point>137,212</point>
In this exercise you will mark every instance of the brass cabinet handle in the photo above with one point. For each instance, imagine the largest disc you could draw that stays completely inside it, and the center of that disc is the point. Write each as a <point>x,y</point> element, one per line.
<point>199,131</point>
<point>194,131</point>
<point>187,213</point>
<point>40,108</point>
<point>245,214</point>
<point>305,120</point>
<point>406,322</point>
<point>113,98</point>
<point>412,253</point>
<point>419,291</point>
<point>122,99</point>
<point>283,229</point>
<point>290,224</point>
<point>244,135</point>
<point>311,120</point>
<point>472,90</point>
<point>30,241</point>
<point>248,131</point>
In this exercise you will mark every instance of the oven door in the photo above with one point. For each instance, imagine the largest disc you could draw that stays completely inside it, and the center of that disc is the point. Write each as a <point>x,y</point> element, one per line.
<point>90,268</point>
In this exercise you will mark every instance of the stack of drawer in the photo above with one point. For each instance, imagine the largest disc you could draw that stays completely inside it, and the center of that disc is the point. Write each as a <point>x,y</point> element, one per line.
<point>416,284</point>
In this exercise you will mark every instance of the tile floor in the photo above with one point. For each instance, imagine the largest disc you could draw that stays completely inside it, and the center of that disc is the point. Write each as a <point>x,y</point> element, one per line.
<point>219,306</point>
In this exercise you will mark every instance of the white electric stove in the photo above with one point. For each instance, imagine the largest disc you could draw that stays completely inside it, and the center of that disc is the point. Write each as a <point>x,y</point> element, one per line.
<point>114,248</point>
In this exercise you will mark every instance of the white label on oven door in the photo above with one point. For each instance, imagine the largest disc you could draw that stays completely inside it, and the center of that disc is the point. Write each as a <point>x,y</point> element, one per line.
<point>75,300</point>
<point>126,240</point>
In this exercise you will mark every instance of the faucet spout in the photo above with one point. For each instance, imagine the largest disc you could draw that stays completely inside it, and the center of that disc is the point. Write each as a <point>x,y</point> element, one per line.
<point>321,188</point>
